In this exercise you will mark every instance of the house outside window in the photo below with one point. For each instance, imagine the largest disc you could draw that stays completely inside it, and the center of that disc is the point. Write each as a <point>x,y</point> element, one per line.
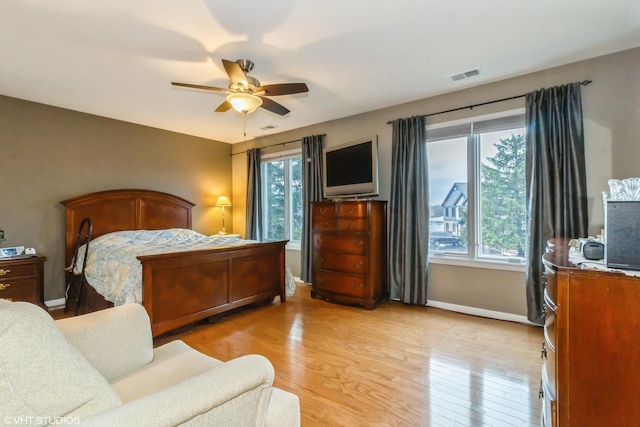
<point>282,197</point>
<point>477,189</point>
<point>455,204</point>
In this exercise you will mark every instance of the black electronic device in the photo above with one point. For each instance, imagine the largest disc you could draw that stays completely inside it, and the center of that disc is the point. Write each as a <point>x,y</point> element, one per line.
<point>592,250</point>
<point>351,169</point>
<point>622,235</point>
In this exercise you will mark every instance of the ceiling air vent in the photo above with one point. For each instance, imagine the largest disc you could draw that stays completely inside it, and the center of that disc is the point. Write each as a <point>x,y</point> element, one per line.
<point>465,75</point>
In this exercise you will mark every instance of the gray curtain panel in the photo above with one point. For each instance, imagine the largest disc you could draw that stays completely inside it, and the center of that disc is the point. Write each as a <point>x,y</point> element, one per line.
<point>254,196</point>
<point>409,212</point>
<point>555,179</point>
<point>311,192</point>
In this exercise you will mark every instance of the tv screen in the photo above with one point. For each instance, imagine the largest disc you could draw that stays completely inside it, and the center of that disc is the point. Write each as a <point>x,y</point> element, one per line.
<point>351,169</point>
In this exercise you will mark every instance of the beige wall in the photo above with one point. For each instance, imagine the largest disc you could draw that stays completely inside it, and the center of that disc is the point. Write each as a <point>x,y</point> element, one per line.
<point>50,154</point>
<point>611,107</point>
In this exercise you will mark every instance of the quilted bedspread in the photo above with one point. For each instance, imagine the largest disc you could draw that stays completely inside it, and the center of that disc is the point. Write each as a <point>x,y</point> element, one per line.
<point>115,272</point>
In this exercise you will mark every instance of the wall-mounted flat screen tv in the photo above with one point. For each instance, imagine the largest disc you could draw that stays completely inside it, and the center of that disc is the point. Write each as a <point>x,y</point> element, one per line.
<point>351,169</point>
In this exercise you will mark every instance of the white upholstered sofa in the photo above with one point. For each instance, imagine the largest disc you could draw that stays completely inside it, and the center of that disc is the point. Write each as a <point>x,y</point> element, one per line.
<point>101,369</point>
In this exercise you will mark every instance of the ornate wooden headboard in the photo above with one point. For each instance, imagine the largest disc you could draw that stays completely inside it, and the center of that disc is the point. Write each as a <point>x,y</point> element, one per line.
<point>117,210</point>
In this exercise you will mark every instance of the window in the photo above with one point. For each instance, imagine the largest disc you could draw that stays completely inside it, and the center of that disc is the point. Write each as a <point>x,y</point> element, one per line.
<point>477,189</point>
<point>282,197</point>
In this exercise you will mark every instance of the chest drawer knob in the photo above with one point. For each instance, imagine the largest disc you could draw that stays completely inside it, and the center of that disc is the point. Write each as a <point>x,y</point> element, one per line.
<point>4,272</point>
<point>358,242</point>
<point>4,286</point>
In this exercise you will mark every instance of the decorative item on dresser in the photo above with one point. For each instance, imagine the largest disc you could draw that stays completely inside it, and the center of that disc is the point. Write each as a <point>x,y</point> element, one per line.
<point>350,251</point>
<point>22,279</point>
<point>591,350</point>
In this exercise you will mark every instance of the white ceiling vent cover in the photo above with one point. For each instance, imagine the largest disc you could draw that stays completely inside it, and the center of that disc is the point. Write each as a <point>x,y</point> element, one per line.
<point>465,74</point>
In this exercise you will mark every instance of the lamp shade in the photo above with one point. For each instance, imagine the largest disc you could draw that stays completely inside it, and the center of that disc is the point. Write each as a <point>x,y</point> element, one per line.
<point>244,102</point>
<point>223,201</point>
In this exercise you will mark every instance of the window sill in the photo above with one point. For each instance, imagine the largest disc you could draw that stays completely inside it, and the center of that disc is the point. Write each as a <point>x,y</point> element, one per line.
<point>293,246</point>
<point>478,263</point>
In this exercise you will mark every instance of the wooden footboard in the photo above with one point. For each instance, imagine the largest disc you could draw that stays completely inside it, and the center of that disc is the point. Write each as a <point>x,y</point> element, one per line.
<point>182,288</point>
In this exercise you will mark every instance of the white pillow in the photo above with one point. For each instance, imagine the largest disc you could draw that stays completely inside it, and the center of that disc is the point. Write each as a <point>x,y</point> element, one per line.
<point>42,374</point>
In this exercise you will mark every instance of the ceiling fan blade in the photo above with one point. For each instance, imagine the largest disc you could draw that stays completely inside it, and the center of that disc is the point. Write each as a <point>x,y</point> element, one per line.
<point>225,106</point>
<point>283,89</point>
<point>273,106</point>
<point>213,88</point>
<point>235,73</point>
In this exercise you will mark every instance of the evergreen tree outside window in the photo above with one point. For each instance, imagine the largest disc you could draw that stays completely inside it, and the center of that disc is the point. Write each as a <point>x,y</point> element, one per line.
<point>282,198</point>
<point>502,189</point>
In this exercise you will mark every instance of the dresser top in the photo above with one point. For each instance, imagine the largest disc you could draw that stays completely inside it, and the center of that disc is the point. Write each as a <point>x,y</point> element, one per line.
<point>558,253</point>
<point>557,256</point>
<point>22,259</point>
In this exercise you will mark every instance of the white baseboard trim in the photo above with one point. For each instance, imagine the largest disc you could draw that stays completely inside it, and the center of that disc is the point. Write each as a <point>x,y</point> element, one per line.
<point>475,311</point>
<point>55,303</point>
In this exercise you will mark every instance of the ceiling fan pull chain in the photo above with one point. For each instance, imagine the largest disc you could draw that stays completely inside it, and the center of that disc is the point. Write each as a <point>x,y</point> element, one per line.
<point>244,117</point>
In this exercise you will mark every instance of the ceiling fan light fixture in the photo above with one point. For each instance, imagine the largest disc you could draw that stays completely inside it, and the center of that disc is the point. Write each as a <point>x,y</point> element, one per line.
<point>244,102</point>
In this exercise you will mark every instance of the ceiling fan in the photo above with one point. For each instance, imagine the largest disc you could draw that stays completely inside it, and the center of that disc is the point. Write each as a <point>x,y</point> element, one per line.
<point>245,94</point>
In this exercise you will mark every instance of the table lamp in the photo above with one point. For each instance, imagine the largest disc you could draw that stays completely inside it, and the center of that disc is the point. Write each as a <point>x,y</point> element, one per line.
<point>222,202</point>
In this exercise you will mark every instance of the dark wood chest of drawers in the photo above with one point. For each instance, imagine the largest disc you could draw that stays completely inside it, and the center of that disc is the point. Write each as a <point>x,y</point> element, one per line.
<point>23,279</point>
<point>350,252</point>
<point>591,353</point>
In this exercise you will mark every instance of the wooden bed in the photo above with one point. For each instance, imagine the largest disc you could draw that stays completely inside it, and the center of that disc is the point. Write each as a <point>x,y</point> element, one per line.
<point>178,288</point>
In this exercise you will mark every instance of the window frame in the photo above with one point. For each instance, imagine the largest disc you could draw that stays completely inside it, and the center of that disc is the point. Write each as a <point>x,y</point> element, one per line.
<point>268,158</point>
<point>471,128</point>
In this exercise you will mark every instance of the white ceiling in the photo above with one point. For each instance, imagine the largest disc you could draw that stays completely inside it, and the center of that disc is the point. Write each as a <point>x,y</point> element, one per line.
<point>116,58</point>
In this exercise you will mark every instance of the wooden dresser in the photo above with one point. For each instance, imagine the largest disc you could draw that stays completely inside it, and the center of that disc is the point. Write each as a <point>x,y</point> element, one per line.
<point>591,353</point>
<point>350,251</point>
<point>22,279</point>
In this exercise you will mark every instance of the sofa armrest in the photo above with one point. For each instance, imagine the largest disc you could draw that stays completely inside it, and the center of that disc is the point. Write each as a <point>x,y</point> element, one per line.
<point>116,340</point>
<point>235,393</point>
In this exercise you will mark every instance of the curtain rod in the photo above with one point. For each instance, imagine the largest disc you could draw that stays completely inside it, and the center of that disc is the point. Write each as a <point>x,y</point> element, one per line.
<point>279,143</point>
<point>583,83</point>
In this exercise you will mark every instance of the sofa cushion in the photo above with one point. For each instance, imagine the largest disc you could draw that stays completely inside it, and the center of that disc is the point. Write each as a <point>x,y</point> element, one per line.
<point>128,325</point>
<point>41,373</point>
<point>172,363</point>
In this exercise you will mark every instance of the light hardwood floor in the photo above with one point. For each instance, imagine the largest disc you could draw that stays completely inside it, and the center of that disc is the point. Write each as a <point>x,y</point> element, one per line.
<point>397,365</point>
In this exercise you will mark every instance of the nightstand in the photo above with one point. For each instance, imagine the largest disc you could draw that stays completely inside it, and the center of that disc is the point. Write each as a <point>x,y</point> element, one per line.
<point>22,279</point>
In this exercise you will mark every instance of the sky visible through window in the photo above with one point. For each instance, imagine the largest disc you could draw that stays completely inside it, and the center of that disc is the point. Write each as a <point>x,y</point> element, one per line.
<point>448,162</point>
